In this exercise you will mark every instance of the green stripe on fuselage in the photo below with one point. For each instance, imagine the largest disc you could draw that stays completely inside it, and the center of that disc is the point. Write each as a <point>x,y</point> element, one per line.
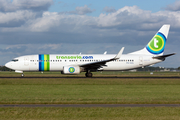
<point>46,62</point>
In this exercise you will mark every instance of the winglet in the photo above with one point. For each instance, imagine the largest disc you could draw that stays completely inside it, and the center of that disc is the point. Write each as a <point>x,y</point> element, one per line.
<point>119,54</point>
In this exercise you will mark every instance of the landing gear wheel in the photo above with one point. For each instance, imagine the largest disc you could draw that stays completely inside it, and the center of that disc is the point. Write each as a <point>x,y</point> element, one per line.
<point>88,74</point>
<point>22,75</point>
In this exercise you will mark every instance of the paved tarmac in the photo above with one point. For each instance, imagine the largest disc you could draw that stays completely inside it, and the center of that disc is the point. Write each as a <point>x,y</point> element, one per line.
<point>90,105</point>
<point>115,77</point>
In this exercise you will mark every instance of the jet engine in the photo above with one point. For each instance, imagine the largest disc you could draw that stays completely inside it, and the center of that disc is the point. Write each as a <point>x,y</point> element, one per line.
<point>71,70</point>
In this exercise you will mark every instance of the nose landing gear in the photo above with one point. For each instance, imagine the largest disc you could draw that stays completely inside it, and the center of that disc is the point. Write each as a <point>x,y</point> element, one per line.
<point>22,75</point>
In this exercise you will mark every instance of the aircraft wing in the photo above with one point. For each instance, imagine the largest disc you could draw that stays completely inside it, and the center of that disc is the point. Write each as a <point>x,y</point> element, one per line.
<point>98,64</point>
<point>163,56</point>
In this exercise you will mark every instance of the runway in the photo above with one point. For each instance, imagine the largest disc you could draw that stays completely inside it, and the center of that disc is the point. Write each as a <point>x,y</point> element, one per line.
<point>90,105</point>
<point>113,77</point>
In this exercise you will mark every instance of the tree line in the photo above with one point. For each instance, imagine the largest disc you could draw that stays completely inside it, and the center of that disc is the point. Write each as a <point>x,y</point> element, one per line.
<point>4,68</point>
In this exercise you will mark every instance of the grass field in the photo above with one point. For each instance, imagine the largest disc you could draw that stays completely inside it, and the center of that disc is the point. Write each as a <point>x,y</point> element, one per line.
<point>90,91</point>
<point>162,113</point>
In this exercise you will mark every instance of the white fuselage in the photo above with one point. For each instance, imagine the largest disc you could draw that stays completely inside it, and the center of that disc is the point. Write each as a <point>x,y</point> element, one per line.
<point>56,62</point>
<point>151,54</point>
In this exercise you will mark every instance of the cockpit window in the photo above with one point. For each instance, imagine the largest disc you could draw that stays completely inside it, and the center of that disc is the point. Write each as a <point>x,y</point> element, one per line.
<point>15,60</point>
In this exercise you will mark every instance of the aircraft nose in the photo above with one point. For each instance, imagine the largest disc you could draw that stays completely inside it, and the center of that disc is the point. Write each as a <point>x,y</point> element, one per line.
<point>8,65</point>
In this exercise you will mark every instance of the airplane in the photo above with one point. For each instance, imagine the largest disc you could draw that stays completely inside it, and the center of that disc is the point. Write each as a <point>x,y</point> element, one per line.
<point>151,54</point>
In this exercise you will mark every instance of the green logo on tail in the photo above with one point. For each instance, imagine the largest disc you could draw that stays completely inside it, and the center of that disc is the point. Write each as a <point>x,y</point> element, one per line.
<point>157,44</point>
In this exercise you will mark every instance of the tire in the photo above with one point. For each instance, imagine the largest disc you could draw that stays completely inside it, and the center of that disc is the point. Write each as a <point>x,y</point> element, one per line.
<point>22,75</point>
<point>88,74</point>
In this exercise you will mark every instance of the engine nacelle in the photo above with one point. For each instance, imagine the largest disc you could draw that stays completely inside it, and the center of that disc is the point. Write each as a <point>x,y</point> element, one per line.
<point>71,70</point>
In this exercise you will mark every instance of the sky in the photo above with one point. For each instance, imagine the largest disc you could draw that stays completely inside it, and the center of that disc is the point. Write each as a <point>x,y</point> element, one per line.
<point>86,26</point>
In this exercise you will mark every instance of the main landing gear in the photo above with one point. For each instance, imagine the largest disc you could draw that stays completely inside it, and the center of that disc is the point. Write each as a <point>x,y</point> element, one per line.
<point>89,74</point>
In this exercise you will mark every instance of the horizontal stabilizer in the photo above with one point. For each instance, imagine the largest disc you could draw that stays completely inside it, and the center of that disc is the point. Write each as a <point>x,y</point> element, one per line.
<point>163,56</point>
